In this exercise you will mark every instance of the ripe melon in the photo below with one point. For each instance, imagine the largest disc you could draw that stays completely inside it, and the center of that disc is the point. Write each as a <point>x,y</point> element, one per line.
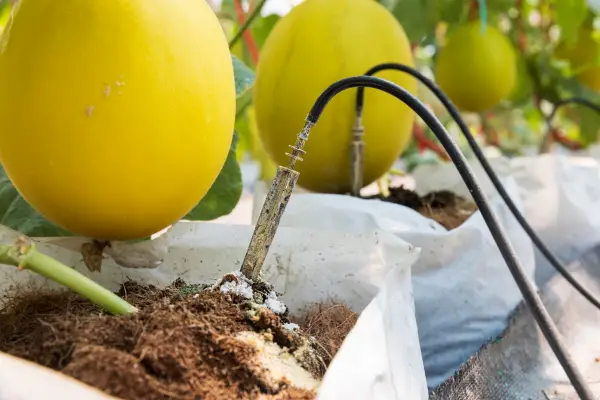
<point>117,115</point>
<point>316,44</point>
<point>583,56</point>
<point>476,69</point>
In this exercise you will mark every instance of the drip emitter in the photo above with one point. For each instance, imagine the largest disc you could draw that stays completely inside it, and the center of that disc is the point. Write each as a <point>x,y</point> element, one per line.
<point>273,208</point>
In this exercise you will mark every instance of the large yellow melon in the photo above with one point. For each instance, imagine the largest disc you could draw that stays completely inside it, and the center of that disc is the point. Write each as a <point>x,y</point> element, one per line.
<point>117,115</point>
<point>583,57</point>
<point>476,69</point>
<point>316,44</point>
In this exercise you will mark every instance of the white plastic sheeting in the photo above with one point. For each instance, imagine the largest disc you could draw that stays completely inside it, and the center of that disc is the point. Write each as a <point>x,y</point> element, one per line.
<point>560,196</point>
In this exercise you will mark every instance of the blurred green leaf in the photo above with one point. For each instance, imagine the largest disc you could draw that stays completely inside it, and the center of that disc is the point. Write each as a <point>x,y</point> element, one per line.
<point>415,159</point>
<point>453,11</point>
<point>417,17</point>
<point>244,81</point>
<point>523,88</point>
<point>589,122</point>
<point>228,8</point>
<point>242,128</point>
<point>244,77</point>
<point>242,103</point>
<point>224,194</point>
<point>500,6</point>
<point>231,27</point>
<point>5,9</point>
<point>261,28</point>
<point>389,4</point>
<point>543,77</point>
<point>570,14</point>
<point>17,214</point>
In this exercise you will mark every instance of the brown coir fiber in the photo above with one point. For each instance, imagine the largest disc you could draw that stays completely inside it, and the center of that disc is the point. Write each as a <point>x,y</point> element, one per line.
<point>175,347</point>
<point>329,323</point>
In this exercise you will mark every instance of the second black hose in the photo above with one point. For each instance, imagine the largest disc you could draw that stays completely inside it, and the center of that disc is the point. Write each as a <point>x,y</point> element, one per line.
<point>453,111</point>
<point>525,285</point>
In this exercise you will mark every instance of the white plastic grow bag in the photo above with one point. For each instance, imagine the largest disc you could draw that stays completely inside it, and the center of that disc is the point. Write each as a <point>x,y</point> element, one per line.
<point>381,358</point>
<point>24,380</point>
<point>463,289</point>
<point>560,196</point>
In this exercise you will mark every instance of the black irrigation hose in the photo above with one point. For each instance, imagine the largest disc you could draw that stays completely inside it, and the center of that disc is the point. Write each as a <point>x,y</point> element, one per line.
<point>554,261</point>
<point>573,100</point>
<point>526,287</point>
<point>549,137</point>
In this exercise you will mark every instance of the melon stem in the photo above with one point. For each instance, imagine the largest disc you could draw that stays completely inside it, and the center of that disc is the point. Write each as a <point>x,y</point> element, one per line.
<point>24,255</point>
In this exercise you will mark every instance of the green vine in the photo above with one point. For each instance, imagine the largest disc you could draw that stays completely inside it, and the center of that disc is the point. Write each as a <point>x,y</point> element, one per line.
<point>24,255</point>
<point>253,15</point>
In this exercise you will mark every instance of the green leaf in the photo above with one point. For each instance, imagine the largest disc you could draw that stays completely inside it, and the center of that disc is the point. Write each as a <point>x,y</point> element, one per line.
<point>570,14</point>
<point>17,214</point>
<point>244,81</point>
<point>389,4</point>
<point>228,8</point>
<point>242,103</point>
<point>224,194</point>
<point>453,11</point>
<point>242,127</point>
<point>499,6</point>
<point>5,8</point>
<point>588,125</point>
<point>548,77</point>
<point>262,27</point>
<point>417,17</point>
<point>244,77</point>
<point>523,89</point>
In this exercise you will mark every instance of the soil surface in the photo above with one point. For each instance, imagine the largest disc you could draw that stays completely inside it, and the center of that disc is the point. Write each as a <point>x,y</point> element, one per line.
<point>182,344</point>
<point>448,209</point>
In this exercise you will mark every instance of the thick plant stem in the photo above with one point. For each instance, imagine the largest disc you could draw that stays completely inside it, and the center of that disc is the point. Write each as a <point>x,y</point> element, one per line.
<point>24,255</point>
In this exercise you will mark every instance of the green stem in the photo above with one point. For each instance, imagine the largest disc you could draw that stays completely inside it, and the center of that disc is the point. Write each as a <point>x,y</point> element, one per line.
<point>396,172</point>
<point>255,13</point>
<point>384,185</point>
<point>25,256</point>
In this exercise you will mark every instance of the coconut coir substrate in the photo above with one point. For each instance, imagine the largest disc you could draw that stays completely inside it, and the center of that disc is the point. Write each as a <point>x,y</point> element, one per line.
<point>184,343</point>
<point>448,209</point>
<point>329,323</point>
